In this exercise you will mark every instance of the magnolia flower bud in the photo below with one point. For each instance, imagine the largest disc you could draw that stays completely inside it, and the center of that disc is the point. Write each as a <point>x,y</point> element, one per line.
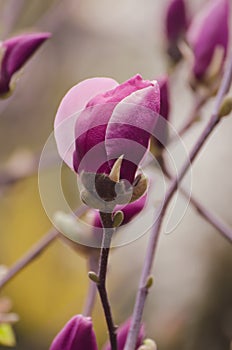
<point>15,52</point>
<point>77,334</point>
<point>120,115</point>
<point>208,37</point>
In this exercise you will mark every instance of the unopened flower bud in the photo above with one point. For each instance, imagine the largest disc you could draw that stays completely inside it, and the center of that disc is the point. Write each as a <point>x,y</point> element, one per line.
<point>98,143</point>
<point>77,334</point>
<point>208,37</point>
<point>15,52</point>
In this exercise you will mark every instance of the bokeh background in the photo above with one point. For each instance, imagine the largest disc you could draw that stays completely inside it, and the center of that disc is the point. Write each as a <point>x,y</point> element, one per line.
<point>190,304</point>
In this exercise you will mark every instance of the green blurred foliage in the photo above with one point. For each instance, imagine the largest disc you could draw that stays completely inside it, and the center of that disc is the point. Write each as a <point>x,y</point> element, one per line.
<point>7,337</point>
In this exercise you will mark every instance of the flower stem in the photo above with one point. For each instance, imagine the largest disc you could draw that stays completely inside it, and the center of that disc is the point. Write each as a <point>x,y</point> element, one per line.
<point>152,244</point>
<point>101,285</point>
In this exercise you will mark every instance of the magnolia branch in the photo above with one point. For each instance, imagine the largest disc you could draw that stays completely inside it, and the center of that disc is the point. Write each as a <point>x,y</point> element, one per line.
<point>152,244</point>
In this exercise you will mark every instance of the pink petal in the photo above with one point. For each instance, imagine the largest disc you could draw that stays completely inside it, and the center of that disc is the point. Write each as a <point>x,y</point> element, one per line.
<point>160,136</point>
<point>73,102</point>
<point>130,127</point>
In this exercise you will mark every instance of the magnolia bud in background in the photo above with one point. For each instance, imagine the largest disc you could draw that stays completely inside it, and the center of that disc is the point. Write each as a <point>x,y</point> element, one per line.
<point>176,24</point>
<point>77,334</point>
<point>208,37</point>
<point>15,52</point>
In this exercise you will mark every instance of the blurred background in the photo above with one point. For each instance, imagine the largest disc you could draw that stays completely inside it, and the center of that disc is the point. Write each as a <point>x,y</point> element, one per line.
<point>190,304</point>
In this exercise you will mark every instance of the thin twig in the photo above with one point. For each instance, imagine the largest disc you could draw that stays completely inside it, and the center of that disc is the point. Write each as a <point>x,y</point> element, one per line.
<point>101,285</point>
<point>152,244</point>
<point>35,251</point>
<point>92,291</point>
